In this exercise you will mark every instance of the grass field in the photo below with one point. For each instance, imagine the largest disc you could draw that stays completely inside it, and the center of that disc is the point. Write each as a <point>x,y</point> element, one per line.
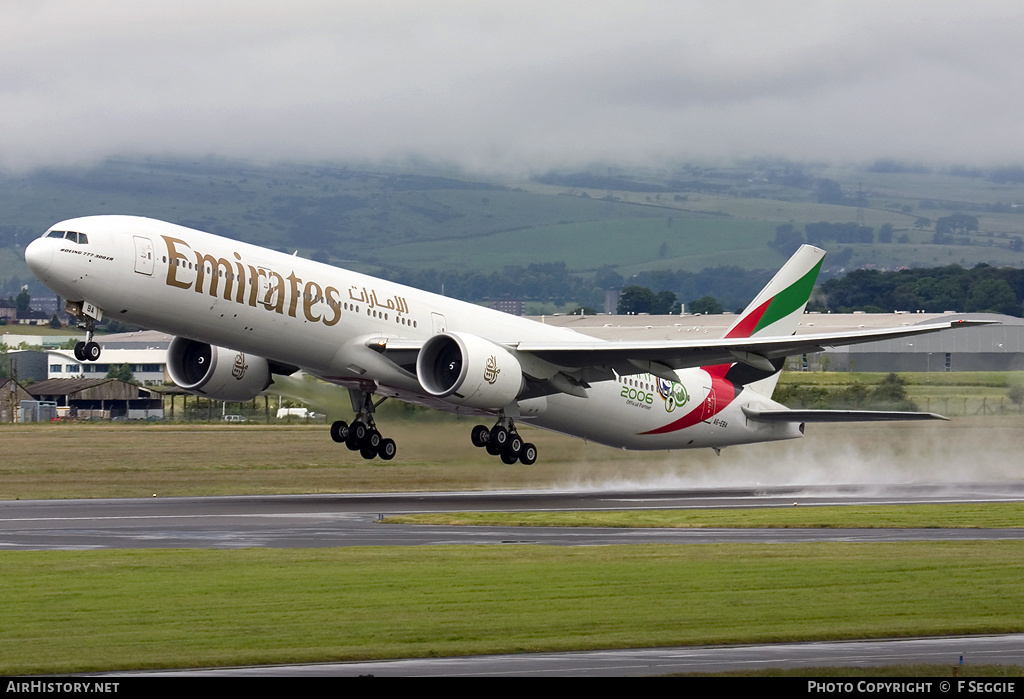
<point>140,460</point>
<point>962,393</point>
<point>91,610</point>
<point>999,515</point>
<point>66,611</point>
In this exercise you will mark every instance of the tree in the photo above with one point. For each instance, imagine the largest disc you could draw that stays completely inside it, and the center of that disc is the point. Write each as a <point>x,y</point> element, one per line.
<point>993,295</point>
<point>885,233</point>
<point>829,192</point>
<point>664,303</point>
<point>956,224</point>
<point>1016,394</point>
<point>706,305</point>
<point>121,372</point>
<point>22,301</point>
<point>787,239</point>
<point>635,299</point>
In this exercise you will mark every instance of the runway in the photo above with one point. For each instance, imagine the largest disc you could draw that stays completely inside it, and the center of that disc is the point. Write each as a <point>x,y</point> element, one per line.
<point>352,520</point>
<point>311,521</point>
<point>951,652</point>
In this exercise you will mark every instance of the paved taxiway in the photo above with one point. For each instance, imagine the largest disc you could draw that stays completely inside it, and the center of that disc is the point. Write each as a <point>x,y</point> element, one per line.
<point>307,521</point>
<point>351,520</point>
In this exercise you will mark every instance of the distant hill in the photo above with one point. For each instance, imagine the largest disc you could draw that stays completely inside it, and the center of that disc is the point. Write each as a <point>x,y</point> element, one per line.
<point>406,221</point>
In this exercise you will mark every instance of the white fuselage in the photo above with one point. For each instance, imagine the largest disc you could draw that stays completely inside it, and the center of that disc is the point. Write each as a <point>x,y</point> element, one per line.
<point>318,317</point>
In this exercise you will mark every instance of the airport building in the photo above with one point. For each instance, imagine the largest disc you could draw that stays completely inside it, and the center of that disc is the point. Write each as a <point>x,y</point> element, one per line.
<point>99,399</point>
<point>145,352</point>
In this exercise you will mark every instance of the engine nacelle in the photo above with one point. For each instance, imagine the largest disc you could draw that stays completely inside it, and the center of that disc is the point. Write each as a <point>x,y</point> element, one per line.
<point>216,372</point>
<point>469,370</point>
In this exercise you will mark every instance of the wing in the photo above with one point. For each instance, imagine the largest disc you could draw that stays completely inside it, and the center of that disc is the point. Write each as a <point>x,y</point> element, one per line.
<point>571,365</point>
<point>661,358</point>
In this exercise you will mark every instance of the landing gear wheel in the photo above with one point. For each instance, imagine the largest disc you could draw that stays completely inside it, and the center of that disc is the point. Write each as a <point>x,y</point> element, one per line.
<point>357,432</point>
<point>80,351</point>
<point>387,449</point>
<point>339,431</point>
<point>368,452</point>
<point>92,351</point>
<point>352,443</point>
<point>507,458</point>
<point>480,436</point>
<point>528,455</point>
<point>514,445</point>
<point>492,448</point>
<point>373,439</point>
<point>499,436</point>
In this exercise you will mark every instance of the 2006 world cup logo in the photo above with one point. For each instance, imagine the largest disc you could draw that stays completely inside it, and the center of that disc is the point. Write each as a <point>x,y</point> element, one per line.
<point>674,394</point>
<point>238,370</point>
<point>491,371</point>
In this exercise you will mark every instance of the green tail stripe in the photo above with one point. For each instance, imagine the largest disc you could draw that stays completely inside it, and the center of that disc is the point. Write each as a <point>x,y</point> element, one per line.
<point>790,299</point>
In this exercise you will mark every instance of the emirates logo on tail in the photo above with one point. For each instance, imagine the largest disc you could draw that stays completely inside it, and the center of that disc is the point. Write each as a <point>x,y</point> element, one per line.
<point>491,371</point>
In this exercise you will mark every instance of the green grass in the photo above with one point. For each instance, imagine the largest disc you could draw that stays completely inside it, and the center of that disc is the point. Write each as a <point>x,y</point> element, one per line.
<point>960,393</point>
<point>90,460</point>
<point>990,379</point>
<point>989,515</point>
<point>101,610</point>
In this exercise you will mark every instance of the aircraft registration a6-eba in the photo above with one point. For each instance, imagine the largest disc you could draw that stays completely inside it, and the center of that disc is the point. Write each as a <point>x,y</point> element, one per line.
<point>242,314</point>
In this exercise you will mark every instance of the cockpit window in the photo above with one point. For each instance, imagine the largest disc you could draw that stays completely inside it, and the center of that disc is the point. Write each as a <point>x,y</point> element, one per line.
<point>80,238</point>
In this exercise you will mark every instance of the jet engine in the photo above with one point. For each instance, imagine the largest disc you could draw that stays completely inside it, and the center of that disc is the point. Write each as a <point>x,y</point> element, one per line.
<point>469,370</point>
<point>216,372</point>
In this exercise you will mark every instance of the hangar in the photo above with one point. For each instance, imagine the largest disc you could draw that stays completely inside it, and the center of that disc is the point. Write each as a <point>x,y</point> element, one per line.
<point>99,399</point>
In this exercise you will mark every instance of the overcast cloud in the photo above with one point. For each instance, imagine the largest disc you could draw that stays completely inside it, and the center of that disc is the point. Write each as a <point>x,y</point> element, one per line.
<point>512,86</point>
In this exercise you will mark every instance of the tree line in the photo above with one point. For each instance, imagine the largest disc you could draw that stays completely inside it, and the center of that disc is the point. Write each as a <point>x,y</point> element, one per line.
<point>932,289</point>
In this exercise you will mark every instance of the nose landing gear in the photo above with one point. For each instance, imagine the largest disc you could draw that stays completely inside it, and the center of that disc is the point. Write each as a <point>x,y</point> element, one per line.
<point>88,351</point>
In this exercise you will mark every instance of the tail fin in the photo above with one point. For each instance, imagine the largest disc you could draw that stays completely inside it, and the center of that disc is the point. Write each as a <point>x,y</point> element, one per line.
<point>777,310</point>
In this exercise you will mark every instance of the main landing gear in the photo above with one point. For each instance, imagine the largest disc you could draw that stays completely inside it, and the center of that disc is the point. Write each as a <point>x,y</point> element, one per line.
<point>503,440</point>
<point>362,434</point>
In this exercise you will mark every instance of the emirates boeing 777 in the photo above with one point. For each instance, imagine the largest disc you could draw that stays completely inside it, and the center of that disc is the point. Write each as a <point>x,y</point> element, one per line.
<point>241,314</point>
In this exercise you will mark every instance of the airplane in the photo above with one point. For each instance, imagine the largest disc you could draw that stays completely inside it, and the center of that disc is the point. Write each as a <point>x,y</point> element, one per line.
<point>242,314</point>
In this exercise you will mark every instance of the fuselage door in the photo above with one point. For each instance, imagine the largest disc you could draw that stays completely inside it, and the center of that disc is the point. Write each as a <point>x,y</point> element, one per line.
<point>709,405</point>
<point>143,255</point>
<point>439,323</point>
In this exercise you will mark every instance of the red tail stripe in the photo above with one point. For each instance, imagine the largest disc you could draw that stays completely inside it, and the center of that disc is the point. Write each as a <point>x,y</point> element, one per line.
<point>746,325</point>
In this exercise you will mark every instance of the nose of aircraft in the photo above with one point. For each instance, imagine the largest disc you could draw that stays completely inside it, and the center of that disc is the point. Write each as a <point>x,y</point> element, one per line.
<point>38,256</point>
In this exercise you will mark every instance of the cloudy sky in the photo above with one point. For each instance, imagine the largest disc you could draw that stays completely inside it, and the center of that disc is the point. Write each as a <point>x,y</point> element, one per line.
<point>517,86</point>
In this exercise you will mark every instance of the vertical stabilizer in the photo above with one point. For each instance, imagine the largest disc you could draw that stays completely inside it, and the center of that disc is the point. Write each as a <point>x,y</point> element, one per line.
<point>777,310</point>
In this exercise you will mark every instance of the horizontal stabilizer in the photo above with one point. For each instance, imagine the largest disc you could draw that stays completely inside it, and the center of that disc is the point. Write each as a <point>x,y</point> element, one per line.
<point>836,415</point>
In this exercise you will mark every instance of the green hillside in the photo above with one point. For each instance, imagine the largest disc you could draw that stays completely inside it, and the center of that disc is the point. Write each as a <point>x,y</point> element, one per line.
<point>381,220</point>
